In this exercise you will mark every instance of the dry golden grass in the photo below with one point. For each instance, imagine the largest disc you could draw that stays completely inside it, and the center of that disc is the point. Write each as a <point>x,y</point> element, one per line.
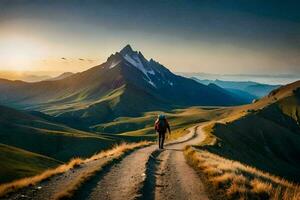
<point>259,187</point>
<point>116,151</point>
<point>69,191</point>
<point>239,181</point>
<point>15,185</point>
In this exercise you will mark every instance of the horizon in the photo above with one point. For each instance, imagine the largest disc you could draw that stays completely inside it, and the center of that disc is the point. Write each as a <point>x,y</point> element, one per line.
<point>275,79</point>
<point>280,79</point>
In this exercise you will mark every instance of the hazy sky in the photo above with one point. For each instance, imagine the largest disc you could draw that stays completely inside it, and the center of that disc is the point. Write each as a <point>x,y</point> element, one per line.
<point>212,36</point>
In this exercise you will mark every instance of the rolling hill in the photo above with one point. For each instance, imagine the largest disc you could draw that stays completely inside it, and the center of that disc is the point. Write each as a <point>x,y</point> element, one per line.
<point>17,163</point>
<point>267,136</point>
<point>48,138</point>
<point>127,84</point>
<point>179,119</point>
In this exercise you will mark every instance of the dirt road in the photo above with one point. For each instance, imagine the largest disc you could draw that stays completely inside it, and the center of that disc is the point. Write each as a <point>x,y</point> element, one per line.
<point>150,173</point>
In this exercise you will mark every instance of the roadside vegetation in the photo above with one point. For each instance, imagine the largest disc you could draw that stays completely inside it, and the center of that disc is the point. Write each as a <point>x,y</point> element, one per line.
<point>235,180</point>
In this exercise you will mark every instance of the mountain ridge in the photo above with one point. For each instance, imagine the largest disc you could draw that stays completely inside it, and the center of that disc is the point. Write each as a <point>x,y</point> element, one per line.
<point>254,89</point>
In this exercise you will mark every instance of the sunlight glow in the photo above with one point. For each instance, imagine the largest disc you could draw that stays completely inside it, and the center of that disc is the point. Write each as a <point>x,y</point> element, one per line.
<point>19,53</point>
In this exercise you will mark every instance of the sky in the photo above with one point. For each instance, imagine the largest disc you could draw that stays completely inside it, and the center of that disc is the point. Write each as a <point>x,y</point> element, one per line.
<point>210,36</point>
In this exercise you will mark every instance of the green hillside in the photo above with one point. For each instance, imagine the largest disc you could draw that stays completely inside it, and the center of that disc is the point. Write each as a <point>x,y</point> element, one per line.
<point>267,138</point>
<point>17,163</point>
<point>48,138</point>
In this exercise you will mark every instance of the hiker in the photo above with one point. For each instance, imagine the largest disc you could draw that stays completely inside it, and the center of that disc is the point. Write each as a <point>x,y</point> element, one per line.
<point>161,126</point>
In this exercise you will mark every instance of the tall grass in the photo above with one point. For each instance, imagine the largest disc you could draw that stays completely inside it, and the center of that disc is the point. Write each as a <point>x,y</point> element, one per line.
<point>239,181</point>
<point>30,181</point>
<point>18,184</point>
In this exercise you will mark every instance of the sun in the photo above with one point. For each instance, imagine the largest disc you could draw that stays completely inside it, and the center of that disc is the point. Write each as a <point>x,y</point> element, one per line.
<point>19,53</point>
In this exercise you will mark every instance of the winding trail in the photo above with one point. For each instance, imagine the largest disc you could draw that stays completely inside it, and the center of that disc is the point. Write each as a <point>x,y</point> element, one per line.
<point>149,173</point>
<point>146,173</point>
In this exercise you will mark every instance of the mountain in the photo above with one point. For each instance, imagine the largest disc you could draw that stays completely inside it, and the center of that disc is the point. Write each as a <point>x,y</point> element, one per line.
<point>244,89</point>
<point>246,96</point>
<point>61,76</point>
<point>268,136</point>
<point>260,90</point>
<point>127,84</point>
<point>231,87</point>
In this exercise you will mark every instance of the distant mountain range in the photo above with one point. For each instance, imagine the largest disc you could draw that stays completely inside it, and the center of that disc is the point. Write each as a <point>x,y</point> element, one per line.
<point>127,84</point>
<point>271,79</point>
<point>247,90</point>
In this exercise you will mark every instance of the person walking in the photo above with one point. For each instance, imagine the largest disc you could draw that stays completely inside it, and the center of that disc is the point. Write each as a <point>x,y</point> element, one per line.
<point>161,127</point>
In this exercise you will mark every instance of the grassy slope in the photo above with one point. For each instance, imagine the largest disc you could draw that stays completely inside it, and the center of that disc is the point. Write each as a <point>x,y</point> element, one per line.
<point>48,138</point>
<point>17,163</point>
<point>267,136</point>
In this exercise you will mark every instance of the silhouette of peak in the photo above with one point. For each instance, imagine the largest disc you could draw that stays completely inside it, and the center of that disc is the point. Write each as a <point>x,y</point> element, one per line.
<point>126,50</point>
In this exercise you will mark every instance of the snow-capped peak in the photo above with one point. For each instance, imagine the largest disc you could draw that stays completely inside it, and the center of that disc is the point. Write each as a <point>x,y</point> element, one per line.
<point>137,60</point>
<point>152,72</point>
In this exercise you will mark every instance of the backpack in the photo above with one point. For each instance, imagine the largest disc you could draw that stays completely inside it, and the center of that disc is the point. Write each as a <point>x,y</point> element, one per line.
<point>161,125</point>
